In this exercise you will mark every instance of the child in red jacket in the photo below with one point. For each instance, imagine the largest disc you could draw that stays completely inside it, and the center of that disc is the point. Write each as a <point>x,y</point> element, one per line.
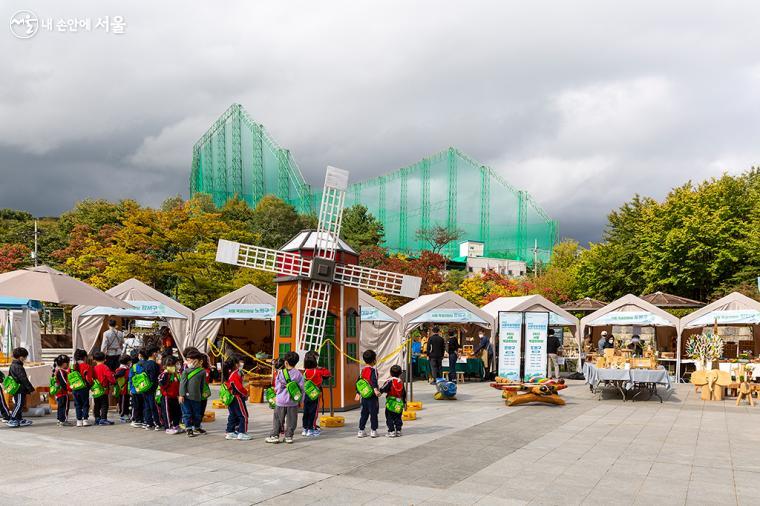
<point>61,375</point>
<point>102,374</point>
<point>237,419</point>
<point>312,372</point>
<point>82,395</point>
<point>168,382</point>
<point>121,390</point>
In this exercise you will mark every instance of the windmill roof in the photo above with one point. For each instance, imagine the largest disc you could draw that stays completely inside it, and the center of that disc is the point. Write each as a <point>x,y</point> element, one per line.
<point>307,239</point>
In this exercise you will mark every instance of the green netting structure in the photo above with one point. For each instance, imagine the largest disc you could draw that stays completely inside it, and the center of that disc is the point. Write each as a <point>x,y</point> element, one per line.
<point>237,157</point>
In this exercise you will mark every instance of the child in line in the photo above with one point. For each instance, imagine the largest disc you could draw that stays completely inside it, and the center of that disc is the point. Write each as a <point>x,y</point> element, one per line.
<point>312,372</point>
<point>151,420</point>
<point>286,409</point>
<point>5,412</point>
<point>191,386</point>
<point>136,398</point>
<point>370,405</point>
<point>121,391</point>
<point>168,382</point>
<point>394,387</point>
<point>237,419</point>
<point>103,374</point>
<point>82,395</point>
<point>18,373</point>
<point>61,376</point>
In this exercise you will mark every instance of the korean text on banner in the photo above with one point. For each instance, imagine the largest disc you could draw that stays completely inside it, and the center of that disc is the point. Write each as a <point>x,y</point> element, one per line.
<point>536,330</point>
<point>510,344</point>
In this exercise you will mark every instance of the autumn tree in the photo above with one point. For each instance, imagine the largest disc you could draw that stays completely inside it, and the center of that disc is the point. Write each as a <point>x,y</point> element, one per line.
<point>438,237</point>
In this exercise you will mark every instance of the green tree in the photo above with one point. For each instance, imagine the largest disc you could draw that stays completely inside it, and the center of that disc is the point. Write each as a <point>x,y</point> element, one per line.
<point>360,229</point>
<point>438,237</point>
<point>275,221</point>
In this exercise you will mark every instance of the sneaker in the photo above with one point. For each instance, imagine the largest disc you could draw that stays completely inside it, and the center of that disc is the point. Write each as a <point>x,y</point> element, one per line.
<point>373,433</point>
<point>171,431</point>
<point>200,431</point>
<point>305,432</point>
<point>190,433</point>
<point>391,434</point>
<point>86,423</point>
<point>107,422</point>
<point>313,433</point>
<point>13,424</point>
<point>123,419</point>
<point>179,429</point>
<point>137,425</point>
<point>79,423</point>
<point>289,440</point>
<point>231,435</point>
<point>272,439</point>
<point>149,427</point>
<point>317,431</point>
<point>244,437</point>
<point>361,434</point>
<point>398,433</point>
<point>97,421</point>
<point>25,423</point>
<point>158,427</point>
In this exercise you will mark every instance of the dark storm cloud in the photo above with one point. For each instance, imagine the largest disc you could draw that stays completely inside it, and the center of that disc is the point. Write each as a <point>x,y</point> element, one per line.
<point>582,103</point>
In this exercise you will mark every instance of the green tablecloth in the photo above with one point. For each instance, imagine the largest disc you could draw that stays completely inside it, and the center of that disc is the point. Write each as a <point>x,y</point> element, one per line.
<point>473,367</point>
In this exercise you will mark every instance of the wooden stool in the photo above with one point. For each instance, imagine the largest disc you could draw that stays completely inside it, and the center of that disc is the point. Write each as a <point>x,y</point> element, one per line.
<point>460,376</point>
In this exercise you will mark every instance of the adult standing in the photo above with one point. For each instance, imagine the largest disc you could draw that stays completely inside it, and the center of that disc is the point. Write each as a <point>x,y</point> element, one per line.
<point>485,348</point>
<point>600,345</point>
<point>453,347</point>
<point>552,351</point>
<point>112,345</point>
<point>435,349</point>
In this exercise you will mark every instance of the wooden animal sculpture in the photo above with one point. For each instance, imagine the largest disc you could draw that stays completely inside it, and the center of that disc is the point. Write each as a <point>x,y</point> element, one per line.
<point>525,393</point>
<point>745,392</point>
<point>712,382</point>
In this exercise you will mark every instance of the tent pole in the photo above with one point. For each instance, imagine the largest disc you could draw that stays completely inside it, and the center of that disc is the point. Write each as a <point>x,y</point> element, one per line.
<point>409,374</point>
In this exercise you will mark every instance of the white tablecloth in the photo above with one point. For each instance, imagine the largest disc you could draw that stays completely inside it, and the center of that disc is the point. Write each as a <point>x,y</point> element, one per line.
<point>594,375</point>
<point>729,366</point>
<point>39,375</point>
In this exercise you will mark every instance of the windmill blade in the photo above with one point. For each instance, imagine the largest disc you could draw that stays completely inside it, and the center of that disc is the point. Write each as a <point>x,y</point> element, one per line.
<point>364,278</point>
<point>331,213</point>
<point>264,259</point>
<point>315,316</point>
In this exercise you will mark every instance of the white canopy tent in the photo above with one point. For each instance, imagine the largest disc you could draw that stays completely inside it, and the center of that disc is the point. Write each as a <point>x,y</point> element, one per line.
<point>21,328</point>
<point>733,309</point>
<point>246,303</point>
<point>558,317</point>
<point>88,322</point>
<point>381,330</point>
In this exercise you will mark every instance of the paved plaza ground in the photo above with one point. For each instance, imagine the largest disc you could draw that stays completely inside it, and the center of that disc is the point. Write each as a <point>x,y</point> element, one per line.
<point>474,450</point>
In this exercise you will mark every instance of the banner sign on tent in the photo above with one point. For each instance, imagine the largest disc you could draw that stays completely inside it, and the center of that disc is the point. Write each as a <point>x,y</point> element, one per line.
<point>448,316</point>
<point>373,314</point>
<point>631,318</point>
<point>242,312</point>
<point>536,332</point>
<point>510,344</point>
<point>555,319</point>
<point>142,308</point>
<point>727,317</point>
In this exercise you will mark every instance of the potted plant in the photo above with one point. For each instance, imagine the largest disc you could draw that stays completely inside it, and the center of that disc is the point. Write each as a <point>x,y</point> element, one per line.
<point>704,348</point>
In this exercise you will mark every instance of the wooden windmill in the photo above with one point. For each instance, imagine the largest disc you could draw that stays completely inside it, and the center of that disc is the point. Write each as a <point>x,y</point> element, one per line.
<point>318,283</point>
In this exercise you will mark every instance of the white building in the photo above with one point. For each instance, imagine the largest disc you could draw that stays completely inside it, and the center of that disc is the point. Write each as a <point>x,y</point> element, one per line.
<point>472,254</point>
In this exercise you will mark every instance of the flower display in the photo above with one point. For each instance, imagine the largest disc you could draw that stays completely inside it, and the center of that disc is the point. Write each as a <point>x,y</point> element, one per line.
<point>705,347</point>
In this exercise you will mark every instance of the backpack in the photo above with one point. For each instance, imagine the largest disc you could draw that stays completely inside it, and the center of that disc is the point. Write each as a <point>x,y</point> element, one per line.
<point>364,388</point>
<point>141,382</point>
<point>294,390</point>
<point>206,390</point>
<point>10,385</point>
<point>76,381</point>
<point>159,396</point>
<point>134,371</point>
<point>226,395</point>
<point>270,396</point>
<point>97,389</point>
<point>394,404</point>
<point>54,386</point>
<point>311,390</point>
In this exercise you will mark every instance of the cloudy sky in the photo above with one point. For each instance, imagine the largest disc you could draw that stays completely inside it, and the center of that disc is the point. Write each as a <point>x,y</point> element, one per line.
<point>581,103</point>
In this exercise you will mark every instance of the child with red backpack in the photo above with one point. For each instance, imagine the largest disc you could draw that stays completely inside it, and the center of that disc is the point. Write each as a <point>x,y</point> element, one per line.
<point>314,374</point>
<point>80,380</point>
<point>168,382</point>
<point>237,420</point>
<point>395,401</point>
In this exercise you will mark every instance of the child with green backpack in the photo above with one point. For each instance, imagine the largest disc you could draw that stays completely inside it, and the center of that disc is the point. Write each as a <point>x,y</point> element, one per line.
<point>80,381</point>
<point>367,391</point>
<point>233,393</point>
<point>59,388</point>
<point>314,375</point>
<point>103,381</point>
<point>5,413</point>
<point>193,390</point>
<point>18,385</point>
<point>289,388</point>
<point>394,402</point>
